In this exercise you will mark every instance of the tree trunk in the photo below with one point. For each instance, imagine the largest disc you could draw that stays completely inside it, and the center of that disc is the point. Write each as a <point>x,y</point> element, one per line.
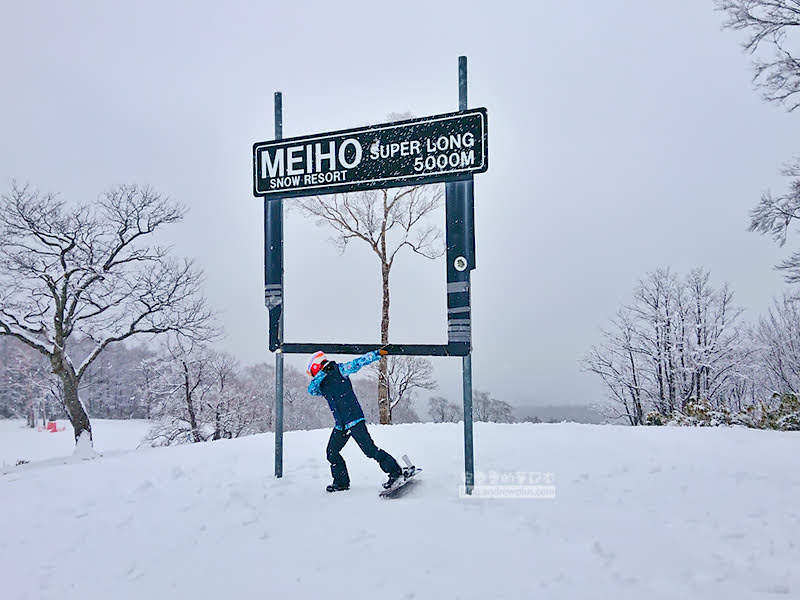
<point>384,410</point>
<point>217,426</point>
<point>74,407</point>
<point>187,388</point>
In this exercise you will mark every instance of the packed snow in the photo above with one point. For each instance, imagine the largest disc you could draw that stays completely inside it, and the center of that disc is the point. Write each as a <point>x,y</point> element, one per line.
<point>20,443</point>
<point>657,512</point>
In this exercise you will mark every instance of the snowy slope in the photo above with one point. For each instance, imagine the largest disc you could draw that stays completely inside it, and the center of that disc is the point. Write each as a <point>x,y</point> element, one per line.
<point>639,513</point>
<point>18,442</point>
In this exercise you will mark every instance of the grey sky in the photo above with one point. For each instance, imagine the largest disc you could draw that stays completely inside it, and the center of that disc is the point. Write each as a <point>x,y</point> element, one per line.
<point>623,136</point>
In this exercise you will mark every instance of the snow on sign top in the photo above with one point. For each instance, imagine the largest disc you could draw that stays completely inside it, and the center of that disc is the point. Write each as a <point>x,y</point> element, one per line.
<point>417,151</point>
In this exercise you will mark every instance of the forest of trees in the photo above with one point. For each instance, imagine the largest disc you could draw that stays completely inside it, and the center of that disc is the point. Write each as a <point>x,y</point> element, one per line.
<point>195,393</point>
<point>679,352</point>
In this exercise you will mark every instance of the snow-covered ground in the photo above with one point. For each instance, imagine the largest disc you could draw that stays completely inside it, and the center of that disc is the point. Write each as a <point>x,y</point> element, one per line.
<point>639,513</point>
<point>18,442</point>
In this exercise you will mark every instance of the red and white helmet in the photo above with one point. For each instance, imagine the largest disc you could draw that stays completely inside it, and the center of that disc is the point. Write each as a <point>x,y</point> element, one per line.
<point>315,363</point>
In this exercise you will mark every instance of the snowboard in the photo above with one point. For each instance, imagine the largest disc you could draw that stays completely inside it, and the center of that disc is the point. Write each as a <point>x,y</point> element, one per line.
<point>401,486</point>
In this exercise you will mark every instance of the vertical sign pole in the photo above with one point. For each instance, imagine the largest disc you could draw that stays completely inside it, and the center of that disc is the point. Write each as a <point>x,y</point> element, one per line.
<point>278,208</point>
<point>469,457</point>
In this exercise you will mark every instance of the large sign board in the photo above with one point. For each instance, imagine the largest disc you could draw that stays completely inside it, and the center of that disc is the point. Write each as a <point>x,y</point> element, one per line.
<point>433,149</point>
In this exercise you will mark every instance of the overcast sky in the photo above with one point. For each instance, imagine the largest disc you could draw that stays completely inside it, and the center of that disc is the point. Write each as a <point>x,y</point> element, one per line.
<point>624,136</point>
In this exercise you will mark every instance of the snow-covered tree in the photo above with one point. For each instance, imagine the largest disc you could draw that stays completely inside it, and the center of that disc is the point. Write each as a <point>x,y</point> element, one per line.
<point>115,385</point>
<point>302,410</point>
<point>618,362</point>
<point>201,395</point>
<point>257,385</point>
<point>488,409</point>
<point>27,386</point>
<point>679,339</point>
<point>776,339</point>
<point>182,382</point>
<point>772,28</point>
<point>92,272</point>
<point>442,410</point>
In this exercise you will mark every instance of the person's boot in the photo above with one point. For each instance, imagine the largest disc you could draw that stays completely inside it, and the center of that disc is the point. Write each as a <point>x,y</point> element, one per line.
<point>337,487</point>
<point>393,477</point>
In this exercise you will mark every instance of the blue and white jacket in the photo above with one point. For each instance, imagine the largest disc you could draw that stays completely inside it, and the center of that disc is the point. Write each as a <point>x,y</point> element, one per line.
<point>336,388</point>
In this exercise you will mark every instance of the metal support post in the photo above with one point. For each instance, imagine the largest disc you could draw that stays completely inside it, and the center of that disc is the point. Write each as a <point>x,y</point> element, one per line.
<point>469,455</point>
<point>277,211</point>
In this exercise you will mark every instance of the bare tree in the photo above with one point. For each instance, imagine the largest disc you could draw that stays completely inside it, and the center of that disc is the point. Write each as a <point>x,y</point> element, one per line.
<point>616,361</point>
<point>777,340</point>
<point>258,388</point>
<point>772,37</point>
<point>502,412</point>
<point>490,410</point>
<point>387,220</point>
<point>775,214</point>
<point>405,375</point>
<point>184,381</point>
<point>769,25</point>
<point>91,271</point>
<point>202,395</point>
<point>224,403</point>
<point>233,407</point>
<point>480,405</point>
<point>148,373</point>
<point>406,412</point>
<point>442,410</point>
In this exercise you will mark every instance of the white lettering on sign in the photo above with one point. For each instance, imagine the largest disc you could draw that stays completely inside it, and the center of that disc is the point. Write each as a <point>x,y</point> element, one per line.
<point>329,156</point>
<point>285,163</point>
<point>279,183</point>
<point>292,158</point>
<point>270,166</point>
<point>378,150</point>
<point>452,142</point>
<point>452,151</point>
<point>342,153</point>
<point>437,162</point>
<point>329,177</point>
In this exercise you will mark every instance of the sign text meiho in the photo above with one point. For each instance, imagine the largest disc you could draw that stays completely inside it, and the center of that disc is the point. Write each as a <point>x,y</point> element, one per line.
<point>290,166</point>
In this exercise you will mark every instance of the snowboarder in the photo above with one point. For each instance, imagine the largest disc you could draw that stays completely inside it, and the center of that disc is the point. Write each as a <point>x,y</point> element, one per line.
<point>332,380</point>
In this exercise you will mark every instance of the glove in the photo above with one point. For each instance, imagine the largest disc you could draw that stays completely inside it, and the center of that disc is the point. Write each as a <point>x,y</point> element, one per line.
<point>383,352</point>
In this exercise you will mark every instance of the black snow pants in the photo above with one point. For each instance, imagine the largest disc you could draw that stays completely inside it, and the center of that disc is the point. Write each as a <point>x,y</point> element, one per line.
<point>360,434</point>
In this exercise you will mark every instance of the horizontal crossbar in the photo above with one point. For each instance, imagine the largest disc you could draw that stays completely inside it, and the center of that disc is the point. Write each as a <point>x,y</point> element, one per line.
<point>451,349</point>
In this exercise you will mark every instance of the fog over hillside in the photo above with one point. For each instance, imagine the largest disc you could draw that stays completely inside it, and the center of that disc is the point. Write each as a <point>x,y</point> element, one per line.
<point>577,413</point>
